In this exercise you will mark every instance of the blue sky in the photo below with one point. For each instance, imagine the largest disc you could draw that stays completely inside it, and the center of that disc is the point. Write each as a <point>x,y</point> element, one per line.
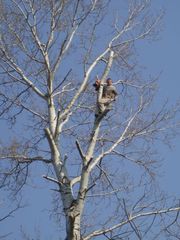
<point>160,55</point>
<point>164,55</point>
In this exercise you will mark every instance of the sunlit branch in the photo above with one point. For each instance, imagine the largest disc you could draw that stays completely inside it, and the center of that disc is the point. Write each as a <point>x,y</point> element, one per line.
<point>51,179</point>
<point>122,137</point>
<point>131,218</point>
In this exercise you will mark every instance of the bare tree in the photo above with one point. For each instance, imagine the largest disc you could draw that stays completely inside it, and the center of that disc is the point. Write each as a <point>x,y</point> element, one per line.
<point>103,167</point>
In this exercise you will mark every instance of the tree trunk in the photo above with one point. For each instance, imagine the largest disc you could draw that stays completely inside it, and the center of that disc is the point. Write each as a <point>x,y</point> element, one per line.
<point>73,220</point>
<point>73,226</point>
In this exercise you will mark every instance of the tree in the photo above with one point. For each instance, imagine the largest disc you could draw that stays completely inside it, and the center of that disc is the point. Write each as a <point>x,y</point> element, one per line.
<point>50,52</point>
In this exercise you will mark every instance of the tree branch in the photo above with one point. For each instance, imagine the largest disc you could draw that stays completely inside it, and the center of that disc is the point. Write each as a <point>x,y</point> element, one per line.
<point>25,159</point>
<point>130,219</point>
<point>80,150</point>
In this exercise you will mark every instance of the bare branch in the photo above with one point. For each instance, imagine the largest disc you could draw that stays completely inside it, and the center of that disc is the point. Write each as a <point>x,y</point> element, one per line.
<point>10,213</point>
<point>51,179</point>
<point>121,138</point>
<point>19,71</point>
<point>80,150</point>
<point>25,159</point>
<point>75,180</point>
<point>131,218</point>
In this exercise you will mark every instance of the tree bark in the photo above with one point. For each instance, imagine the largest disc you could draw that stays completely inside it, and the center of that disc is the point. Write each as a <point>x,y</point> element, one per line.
<point>73,224</point>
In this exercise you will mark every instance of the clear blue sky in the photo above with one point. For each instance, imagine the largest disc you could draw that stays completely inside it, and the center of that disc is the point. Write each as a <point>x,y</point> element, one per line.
<point>161,55</point>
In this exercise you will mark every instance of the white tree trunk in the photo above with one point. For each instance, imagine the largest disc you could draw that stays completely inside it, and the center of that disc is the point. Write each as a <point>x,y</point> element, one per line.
<point>73,226</point>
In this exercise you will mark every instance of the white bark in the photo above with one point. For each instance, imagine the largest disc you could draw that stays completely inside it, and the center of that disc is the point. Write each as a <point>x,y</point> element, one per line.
<point>54,119</point>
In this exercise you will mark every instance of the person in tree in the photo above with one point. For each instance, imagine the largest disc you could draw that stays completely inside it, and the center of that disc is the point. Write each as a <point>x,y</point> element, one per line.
<point>109,95</point>
<point>109,91</point>
<point>97,84</point>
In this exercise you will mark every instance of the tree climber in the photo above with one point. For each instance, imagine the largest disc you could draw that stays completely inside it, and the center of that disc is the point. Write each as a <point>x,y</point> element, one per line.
<point>97,84</point>
<point>109,95</point>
